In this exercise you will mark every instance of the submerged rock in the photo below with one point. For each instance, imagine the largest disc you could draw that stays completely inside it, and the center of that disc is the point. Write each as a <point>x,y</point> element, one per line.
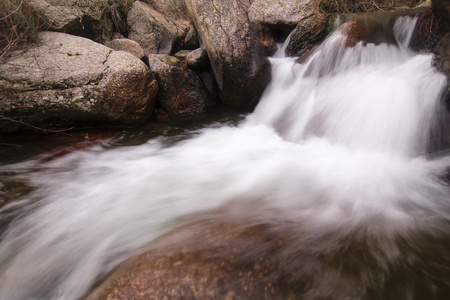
<point>237,56</point>
<point>66,80</point>
<point>182,93</point>
<point>223,259</point>
<point>228,262</point>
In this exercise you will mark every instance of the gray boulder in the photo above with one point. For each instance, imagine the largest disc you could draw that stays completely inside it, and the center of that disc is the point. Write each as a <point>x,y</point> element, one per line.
<point>280,13</point>
<point>66,80</point>
<point>127,45</point>
<point>175,9</point>
<point>91,19</point>
<point>182,94</point>
<point>155,32</point>
<point>236,54</point>
<point>197,59</point>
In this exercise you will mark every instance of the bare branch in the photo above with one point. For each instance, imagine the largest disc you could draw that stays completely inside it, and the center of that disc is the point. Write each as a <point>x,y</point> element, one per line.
<point>35,127</point>
<point>13,12</point>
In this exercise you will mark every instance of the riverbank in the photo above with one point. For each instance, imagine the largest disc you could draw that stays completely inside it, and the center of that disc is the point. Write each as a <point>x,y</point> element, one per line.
<point>177,70</point>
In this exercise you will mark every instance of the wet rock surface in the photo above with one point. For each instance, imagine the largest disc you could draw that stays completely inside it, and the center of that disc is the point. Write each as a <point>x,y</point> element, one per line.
<point>213,262</point>
<point>308,34</point>
<point>442,58</point>
<point>182,93</point>
<point>354,30</point>
<point>253,259</point>
<point>442,8</point>
<point>442,63</point>
<point>237,56</point>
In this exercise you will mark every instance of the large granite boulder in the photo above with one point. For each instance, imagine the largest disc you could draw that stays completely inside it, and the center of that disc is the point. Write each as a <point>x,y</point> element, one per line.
<point>65,80</point>
<point>308,27</point>
<point>182,95</point>
<point>155,32</point>
<point>87,18</point>
<point>237,56</point>
<point>175,9</point>
<point>286,13</point>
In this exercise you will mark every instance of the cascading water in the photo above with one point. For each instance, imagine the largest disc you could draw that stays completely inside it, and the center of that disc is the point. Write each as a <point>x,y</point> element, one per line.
<point>365,97</point>
<point>335,153</point>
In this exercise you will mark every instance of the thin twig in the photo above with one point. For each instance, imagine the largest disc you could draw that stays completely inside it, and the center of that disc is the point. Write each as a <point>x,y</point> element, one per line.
<point>11,44</point>
<point>374,3</point>
<point>179,10</point>
<point>13,12</point>
<point>35,127</point>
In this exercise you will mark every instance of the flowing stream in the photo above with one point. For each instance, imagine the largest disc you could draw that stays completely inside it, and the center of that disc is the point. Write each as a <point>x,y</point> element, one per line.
<point>337,149</point>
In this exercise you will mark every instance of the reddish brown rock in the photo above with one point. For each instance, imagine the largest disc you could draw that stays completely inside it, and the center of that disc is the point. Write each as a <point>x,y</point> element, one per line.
<point>354,30</point>
<point>213,262</point>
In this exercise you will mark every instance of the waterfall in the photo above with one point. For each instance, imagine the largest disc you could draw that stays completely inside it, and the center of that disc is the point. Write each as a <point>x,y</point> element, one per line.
<point>373,97</point>
<point>335,153</point>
